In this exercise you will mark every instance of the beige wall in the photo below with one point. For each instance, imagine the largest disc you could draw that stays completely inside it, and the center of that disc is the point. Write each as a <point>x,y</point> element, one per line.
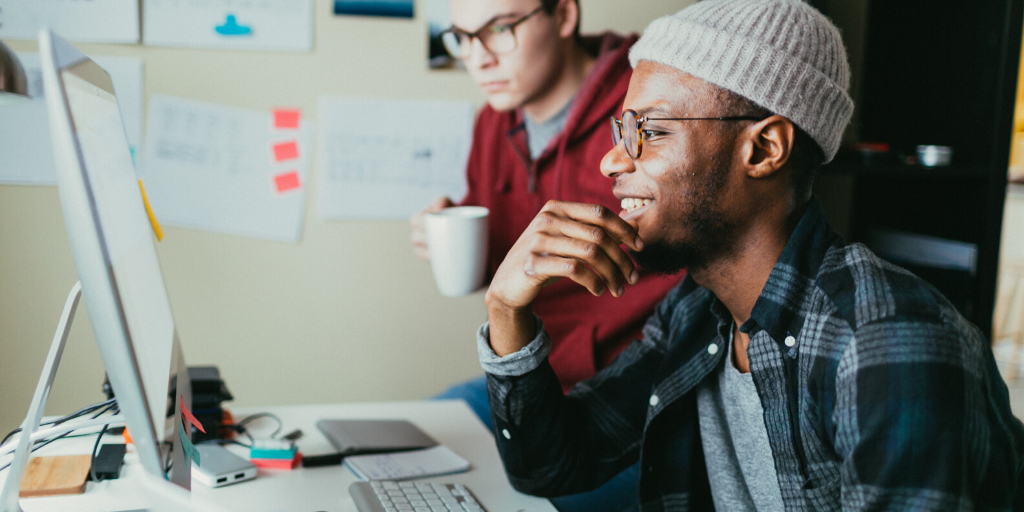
<point>348,314</point>
<point>1011,247</point>
<point>1009,312</point>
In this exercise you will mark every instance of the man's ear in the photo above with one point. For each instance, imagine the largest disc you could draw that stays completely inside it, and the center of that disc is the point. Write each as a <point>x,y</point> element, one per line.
<point>768,145</point>
<point>567,14</point>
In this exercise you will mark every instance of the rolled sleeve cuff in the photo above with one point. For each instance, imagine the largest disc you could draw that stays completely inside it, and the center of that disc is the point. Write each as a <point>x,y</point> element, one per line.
<point>515,364</point>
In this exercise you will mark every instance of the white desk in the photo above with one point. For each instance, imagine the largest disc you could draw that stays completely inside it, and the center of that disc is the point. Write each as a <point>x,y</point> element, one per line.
<point>312,489</point>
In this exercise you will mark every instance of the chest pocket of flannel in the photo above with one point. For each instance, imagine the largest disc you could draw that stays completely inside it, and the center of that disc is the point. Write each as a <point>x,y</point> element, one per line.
<point>821,493</point>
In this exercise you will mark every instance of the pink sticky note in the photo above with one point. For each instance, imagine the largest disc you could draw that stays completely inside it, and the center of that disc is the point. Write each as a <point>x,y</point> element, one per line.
<point>287,181</point>
<point>286,151</point>
<point>186,415</point>
<point>286,119</point>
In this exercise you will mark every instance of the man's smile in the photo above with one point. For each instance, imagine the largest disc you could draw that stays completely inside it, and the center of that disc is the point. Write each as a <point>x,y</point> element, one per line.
<point>633,207</point>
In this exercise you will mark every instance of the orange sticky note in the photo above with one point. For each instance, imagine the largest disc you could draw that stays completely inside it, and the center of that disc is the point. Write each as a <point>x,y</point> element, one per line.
<point>186,415</point>
<point>152,218</point>
<point>286,151</point>
<point>287,181</point>
<point>286,119</point>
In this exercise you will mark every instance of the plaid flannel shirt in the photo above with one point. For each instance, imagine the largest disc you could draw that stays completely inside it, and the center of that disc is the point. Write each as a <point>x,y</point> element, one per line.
<point>888,399</point>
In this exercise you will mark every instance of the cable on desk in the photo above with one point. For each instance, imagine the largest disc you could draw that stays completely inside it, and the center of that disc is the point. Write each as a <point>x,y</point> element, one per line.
<point>240,426</point>
<point>221,442</point>
<point>63,419</point>
<point>43,442</point>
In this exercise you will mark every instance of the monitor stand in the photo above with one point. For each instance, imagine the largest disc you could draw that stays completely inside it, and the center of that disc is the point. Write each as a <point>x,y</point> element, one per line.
<point>9,495</point>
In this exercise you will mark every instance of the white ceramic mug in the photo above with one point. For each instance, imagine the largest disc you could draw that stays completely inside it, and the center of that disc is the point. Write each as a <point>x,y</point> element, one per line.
<point>457,242</point>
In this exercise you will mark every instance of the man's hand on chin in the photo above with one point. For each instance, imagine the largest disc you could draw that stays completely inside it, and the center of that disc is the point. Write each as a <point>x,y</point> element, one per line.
<point>573,240</point>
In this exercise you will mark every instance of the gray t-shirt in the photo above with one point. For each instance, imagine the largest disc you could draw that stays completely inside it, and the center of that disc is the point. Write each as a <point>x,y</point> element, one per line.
<point>538,135</point>
<point>736,450</point>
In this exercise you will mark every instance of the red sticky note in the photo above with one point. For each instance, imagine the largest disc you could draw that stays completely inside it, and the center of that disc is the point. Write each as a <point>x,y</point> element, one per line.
<point>291,463</point>
<point>286,151</point>
<point>286,119</point>
<point>186,415</point>
<point>287,181</point>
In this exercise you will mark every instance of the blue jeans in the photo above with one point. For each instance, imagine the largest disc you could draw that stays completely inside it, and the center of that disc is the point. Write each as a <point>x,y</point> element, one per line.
<point>618,494</point>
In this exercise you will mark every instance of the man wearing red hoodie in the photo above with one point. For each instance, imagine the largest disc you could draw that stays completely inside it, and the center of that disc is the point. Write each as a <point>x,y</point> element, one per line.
<point>541,136</point>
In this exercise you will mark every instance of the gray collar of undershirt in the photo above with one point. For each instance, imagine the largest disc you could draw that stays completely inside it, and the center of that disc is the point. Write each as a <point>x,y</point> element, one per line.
<point>538,135</point>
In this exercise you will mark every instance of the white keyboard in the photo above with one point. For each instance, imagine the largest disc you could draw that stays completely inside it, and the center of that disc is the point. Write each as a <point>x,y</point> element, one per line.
<point>387,496</point>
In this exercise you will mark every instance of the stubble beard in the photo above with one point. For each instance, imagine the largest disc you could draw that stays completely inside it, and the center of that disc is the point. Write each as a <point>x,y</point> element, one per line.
<point>711,234</point>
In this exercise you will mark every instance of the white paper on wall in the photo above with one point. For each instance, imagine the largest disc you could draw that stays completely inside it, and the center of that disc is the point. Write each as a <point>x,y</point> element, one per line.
<point>95,21</point>
<point>25,127</point>
<point>225,169</point>
<point>388,158</point>
<point>267,25</point>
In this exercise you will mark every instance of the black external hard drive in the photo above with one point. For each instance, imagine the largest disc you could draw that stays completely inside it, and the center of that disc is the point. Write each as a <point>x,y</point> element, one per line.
<point>107,464</point>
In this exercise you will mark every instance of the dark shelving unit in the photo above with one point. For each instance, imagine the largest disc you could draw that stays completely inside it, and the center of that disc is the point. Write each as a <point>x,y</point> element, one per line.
<point>937,72</point>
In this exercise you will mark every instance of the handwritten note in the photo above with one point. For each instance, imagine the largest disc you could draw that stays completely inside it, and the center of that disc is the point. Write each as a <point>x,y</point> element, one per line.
<point>208,167</point>
<point>96,21</point>
<point>412,152</point>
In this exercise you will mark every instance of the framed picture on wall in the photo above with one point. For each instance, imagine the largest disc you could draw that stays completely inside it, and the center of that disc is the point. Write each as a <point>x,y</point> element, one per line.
<point>439,19</point>
<point>388,8</point>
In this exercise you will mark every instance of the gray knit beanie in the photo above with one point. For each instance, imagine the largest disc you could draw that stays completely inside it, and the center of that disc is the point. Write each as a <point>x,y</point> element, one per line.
<point>783,55</point>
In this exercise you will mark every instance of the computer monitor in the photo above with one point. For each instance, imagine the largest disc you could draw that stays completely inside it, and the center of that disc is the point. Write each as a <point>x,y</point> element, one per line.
<point>112,245</point>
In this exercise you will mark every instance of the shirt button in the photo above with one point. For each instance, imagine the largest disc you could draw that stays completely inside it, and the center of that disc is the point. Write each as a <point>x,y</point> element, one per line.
<point>506,433</point>
<point>790,341</point>
<point>713,348</point>
<point>654,400</point>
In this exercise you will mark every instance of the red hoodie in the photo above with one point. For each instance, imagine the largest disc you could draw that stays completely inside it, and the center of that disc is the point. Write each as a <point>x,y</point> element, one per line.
<point>587,332</point>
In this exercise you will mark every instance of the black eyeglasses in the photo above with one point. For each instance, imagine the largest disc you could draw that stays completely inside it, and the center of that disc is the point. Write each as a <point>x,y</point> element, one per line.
<point>629,128</point>
<point>496,37</point>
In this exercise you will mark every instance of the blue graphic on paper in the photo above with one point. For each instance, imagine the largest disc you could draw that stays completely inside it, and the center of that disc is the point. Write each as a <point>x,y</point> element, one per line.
<point>232,28</point>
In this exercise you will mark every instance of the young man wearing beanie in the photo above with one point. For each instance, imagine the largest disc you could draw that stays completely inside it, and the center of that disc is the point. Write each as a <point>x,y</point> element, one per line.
<point>789,371</point>
<point>541,137</point>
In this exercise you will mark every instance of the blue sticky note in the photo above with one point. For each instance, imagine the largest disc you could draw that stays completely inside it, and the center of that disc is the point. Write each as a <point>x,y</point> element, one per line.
<point>187,446</point>
<point>232,28</point>
<point>267,453</point>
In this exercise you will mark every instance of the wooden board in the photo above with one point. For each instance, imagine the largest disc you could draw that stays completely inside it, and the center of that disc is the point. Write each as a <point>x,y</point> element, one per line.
<point>54,476</point>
